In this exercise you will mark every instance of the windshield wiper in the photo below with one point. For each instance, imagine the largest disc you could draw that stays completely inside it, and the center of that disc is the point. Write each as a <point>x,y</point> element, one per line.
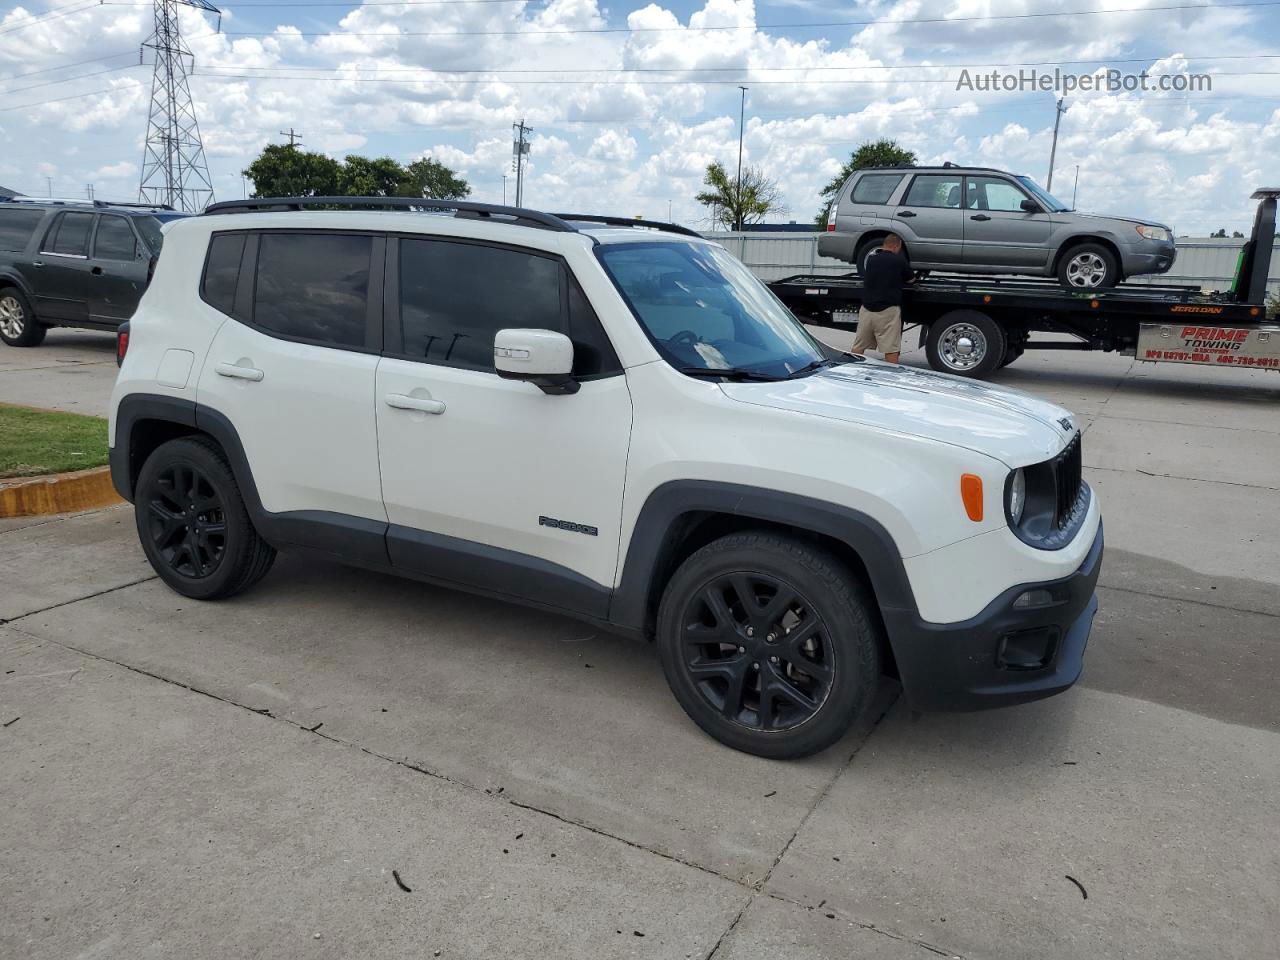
<point>729,373</point>
<point>810,367</point>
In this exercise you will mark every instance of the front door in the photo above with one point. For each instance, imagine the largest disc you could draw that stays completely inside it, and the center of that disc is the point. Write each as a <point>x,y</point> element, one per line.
<point>930,220</point>
<point>292,369</point>
<point>998,232</point>
<point>489,482</point>
<point>62,279</point>
<point>117,271</point>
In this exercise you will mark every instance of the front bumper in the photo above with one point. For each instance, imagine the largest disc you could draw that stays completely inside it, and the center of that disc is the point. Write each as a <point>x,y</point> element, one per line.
<point>1005,654</point>
<point>1148,258</point>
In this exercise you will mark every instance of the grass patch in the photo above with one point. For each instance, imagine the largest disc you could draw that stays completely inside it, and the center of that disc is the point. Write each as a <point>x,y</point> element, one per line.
<point>35,442</point>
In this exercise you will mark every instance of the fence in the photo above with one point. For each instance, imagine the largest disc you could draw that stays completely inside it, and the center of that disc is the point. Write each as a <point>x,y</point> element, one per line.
<point>1205,261</point>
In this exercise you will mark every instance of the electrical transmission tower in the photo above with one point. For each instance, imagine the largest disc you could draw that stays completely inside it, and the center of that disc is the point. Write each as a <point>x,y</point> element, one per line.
<point>174,170</point>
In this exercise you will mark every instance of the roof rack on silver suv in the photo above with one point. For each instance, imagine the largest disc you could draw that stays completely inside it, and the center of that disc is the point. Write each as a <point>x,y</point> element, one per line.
<point>97,204</point>
<point>464,209</point>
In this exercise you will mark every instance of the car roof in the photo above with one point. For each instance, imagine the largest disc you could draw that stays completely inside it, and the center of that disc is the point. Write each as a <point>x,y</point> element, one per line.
<point>946,168</point>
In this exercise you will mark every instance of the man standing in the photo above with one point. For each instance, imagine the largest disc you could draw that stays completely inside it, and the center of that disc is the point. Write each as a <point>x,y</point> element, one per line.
<point>880,318</point>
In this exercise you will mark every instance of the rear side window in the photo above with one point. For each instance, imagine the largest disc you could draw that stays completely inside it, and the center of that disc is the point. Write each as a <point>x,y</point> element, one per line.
<point>70,235</point>
<point>876,187</point>
<point>934,191</point>
<point>222,271</point>
<point>114,240</point>
<point>17,226</point>
<point>313,287</point>
<point>455,296</point>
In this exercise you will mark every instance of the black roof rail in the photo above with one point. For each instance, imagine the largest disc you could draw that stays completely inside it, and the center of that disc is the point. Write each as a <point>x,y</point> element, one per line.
<point>463,209</point>
<point>629,222</point>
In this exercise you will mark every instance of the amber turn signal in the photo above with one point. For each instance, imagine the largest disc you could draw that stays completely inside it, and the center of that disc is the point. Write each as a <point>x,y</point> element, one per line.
<point>971,494</point>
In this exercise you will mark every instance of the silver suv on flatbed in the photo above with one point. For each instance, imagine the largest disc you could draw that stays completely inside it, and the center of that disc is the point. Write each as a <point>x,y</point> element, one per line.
<point>981,220</point>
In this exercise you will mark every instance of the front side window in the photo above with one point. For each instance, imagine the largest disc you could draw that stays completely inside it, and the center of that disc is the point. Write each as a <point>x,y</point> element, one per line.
<point>934,191</point>
<point>704,311</point>
<point>454,297</point>
<point>876,187</point>
<point>70,235</point>
<point>992,193</point>
<point>149,227</point>
<point>114,240</point>
<point>1047,200</point>
<point>313,286</point>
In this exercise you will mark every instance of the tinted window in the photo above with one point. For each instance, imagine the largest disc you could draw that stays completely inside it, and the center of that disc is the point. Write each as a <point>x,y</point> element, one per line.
<point>149,227</point>
<point>313,286</point>
<point>592,352</point>
<point>455,296</point>
<point>991,193</point>
<point>115,240</point>
<point>222,271</point>
<point>876,187</point>
<point>70,234</point>
<point>17,226</point>
<point>933,191</point>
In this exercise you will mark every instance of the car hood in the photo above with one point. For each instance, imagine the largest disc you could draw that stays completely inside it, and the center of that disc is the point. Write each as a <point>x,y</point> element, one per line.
<point>1008,425</point>
<point>1102,217</point>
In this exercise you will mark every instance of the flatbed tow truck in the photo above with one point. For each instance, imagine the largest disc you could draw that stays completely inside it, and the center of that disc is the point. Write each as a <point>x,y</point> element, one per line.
<point>973,326</point>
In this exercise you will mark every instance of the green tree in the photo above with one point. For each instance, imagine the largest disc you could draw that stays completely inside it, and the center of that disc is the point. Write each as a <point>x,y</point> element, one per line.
<point>432,179</point>
<point>285,171</point>
<point>877,153</point>
<point>733,208</point>
<point>363,177</point>
<point>1220,234</point>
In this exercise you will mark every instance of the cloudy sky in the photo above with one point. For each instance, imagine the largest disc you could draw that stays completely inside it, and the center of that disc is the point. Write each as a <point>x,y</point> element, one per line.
<point>630,102</point>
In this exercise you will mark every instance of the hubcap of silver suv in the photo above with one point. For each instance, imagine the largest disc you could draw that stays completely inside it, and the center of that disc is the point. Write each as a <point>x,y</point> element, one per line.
<point>963,346</point>
<point>1086,270</point>
<point>11,317</point>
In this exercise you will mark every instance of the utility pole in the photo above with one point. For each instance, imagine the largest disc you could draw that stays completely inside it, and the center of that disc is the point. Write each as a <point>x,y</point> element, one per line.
<point>504,189</point>
<point>1053,152</point>
<point>519,150</point>
<point>742,114</point>
<point>174,169</point>
<point>292,136</point>
<point>88,191</point>
<point>1076,189</point>
<point>49,181</point>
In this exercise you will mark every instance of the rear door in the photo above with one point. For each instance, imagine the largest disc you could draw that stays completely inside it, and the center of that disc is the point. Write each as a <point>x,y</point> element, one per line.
<point>292,369</point>
<point>997,231</point>
<point>61,278</point>
<point>930,219</point>
<point>118,268</point>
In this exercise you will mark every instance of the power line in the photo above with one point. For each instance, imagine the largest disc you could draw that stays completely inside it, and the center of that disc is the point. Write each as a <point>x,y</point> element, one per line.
<point>66,66</point>
<point>46,18</point>
<point>766,26</point>
<point>74,96</point>
<point>78,76</point>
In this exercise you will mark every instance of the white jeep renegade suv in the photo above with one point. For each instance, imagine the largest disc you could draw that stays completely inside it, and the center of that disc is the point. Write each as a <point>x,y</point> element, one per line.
<point>610,419</point>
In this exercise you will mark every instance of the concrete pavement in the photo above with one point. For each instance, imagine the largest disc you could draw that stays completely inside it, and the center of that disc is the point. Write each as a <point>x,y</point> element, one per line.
<point>264,763</point>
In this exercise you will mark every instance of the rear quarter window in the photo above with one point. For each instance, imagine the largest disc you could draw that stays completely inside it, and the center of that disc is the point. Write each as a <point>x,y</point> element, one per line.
<point>17,226</point>
<point>222,271</point>
<point>876,187</point>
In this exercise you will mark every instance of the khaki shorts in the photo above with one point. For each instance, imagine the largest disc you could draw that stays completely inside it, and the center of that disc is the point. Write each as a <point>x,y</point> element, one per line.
<point>879,329</point>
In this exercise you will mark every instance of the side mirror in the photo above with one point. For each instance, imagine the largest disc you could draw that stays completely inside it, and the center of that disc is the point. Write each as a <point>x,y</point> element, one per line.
<point>1030,206</point>
<point>542,357</point>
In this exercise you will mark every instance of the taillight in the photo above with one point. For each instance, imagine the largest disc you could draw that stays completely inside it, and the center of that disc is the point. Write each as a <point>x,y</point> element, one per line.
<point>831,218</point>
<point>122,342</point>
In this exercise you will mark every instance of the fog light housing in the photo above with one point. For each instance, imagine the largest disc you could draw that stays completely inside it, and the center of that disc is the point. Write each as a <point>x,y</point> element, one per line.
<point>1030,599</point>
<point>1027,649</point>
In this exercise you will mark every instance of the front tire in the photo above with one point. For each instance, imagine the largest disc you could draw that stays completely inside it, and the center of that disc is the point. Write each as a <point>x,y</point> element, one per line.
<point>193,524</point>
<point>18,325</point>
<point>769,644</point>
<point>966,343</point>
<point>1088,266</point>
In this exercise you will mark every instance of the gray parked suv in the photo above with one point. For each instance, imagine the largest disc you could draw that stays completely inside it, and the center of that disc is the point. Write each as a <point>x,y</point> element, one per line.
<point>980,220</point>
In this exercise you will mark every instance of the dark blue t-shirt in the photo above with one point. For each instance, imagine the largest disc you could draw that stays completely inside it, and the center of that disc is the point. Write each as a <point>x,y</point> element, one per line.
<point>883,279</point>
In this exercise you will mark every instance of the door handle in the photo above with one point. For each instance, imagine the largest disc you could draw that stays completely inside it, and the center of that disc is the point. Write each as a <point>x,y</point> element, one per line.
<point>237,372</point>
<point>37,263</point>
<point>905,213</point>
<point>422,404</point>
<point>980,216</point>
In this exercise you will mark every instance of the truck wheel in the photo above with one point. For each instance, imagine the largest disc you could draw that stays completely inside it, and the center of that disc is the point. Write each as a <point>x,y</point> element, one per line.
<point>193,524</point>
<point>1088,266</point>
<point>769,644</point>
<point>967,343</point>
<point>18,326</point>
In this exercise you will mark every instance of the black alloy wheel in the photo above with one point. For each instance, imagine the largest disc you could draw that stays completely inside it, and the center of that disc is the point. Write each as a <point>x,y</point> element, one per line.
<point>186,521</point>
<point>757,651</point>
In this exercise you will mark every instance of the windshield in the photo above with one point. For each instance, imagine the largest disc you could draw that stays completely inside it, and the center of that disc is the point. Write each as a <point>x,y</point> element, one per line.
<point>1047,199</point>
<point>149,227</point>
<point>704,310</point>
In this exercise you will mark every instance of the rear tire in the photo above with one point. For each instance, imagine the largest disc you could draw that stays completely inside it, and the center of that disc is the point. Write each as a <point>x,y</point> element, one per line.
<point>866,249</point>
<point>18,324</point>
<point>193,524</point>
<point>966,343</point>
<point>1088,266</point>
<point>769,644</point>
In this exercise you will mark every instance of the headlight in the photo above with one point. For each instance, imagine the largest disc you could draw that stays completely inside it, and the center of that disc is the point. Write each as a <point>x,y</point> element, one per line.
<point>1017,496</point>
<point>1152,233</point>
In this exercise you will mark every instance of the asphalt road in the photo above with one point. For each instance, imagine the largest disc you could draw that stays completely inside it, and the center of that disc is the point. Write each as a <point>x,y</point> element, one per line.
<point>242,778</point>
